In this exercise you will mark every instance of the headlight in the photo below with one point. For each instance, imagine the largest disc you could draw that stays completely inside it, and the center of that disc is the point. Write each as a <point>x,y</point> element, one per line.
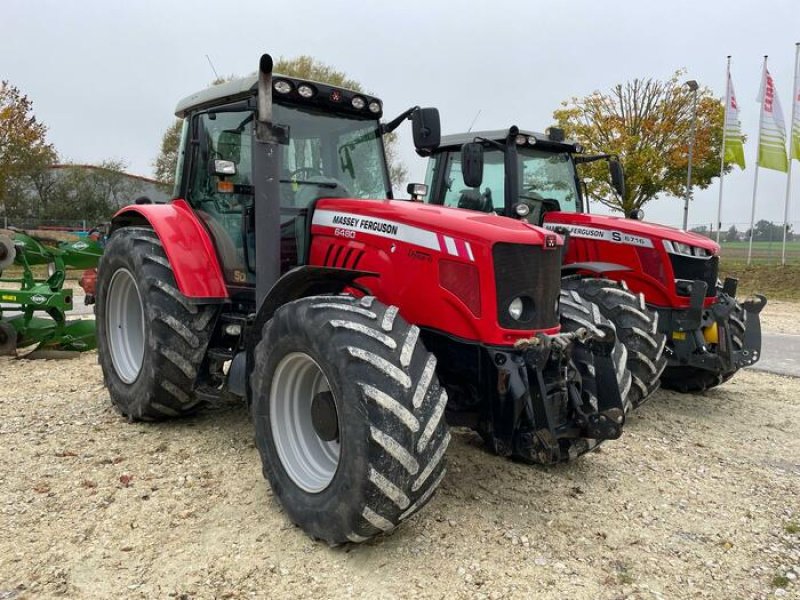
<point>522,209</point>
<point>685,249</point>
<point>521,140</point>
<point>358,102</point>
<point>515,308</point>
<point>375,107</point>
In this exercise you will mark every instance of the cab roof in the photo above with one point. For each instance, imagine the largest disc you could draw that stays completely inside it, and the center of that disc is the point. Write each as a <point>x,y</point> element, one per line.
<point>459,139</point>
<point>244,87</point>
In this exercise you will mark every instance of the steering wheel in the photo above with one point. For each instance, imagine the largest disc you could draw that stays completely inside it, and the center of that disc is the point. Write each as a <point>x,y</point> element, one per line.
<point>306,172</point>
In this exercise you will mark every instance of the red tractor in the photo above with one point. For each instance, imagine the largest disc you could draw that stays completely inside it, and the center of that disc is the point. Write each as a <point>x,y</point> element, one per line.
<point>349,325</point>
<point>657,284</point>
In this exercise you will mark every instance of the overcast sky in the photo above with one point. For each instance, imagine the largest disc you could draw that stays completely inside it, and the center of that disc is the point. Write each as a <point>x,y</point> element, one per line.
<point>105,75</point>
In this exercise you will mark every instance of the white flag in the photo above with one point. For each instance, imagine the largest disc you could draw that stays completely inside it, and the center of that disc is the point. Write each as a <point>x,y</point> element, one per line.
<point>794,149</point>
<point>734,141</point>
<point>772,136</point>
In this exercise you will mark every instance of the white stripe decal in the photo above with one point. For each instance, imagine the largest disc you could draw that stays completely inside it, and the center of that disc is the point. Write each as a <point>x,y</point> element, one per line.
<point>375,226</point>
<point>391,230</point>
<point>606,235</point>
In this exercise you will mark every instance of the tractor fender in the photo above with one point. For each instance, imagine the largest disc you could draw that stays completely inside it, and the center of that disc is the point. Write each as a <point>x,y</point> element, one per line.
<point>301,282</point>
<point>597,267</point>
<point>186,242</point>
<point>298,283</point>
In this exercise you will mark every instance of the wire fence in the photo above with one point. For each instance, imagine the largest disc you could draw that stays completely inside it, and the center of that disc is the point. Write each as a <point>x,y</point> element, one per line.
<point>767,241</point>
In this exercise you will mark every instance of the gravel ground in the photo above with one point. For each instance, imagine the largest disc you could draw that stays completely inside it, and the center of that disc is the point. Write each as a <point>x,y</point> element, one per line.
<point>780,317</point>
<point>698,499</point>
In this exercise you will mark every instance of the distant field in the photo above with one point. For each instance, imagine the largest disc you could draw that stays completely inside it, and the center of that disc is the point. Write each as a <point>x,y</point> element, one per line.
<point>775,281</point>
<point>763,252</point>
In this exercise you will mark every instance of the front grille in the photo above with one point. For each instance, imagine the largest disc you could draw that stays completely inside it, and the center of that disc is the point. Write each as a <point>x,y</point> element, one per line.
<point>527,271</point>
<point>691,268</point>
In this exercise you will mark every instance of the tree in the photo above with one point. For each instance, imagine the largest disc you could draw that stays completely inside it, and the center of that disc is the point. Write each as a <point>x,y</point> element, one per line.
<point>167,160</point>
<point>24,151</point>
<point>732,235</point>
<point>302,67</point>
<point>647,123</point>
<point>767,231</point>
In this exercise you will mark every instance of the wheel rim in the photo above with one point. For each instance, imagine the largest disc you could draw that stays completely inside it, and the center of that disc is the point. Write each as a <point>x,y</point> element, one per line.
<point>125,325</point>
<point>309,461</point>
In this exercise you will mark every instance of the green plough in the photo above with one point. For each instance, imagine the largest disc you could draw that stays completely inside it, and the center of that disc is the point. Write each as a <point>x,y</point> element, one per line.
<point>33,309</point>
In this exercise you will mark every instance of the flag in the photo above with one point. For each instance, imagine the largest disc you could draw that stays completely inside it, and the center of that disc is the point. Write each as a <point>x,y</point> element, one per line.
<point>734,140</point>
<point>794,145</point>
<point>772,134</point>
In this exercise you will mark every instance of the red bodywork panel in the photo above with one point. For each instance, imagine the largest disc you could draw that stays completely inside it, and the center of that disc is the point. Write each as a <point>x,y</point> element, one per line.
<point>187,243</point>
<point>636,245</point>
<point>406,242</point>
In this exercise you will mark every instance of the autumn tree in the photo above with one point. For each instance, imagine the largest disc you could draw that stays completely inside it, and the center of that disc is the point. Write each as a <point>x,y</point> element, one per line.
<point>647,123</point>
<point>167,160</point>
<point>301,67</point>
<point>24,150</point>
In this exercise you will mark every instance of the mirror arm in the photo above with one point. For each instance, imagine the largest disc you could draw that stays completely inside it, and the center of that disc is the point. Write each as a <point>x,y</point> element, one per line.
<point>395,123</point>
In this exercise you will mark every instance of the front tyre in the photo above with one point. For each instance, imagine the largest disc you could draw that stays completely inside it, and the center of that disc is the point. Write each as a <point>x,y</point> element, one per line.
<point>349,416</point>
<point>151,339</point>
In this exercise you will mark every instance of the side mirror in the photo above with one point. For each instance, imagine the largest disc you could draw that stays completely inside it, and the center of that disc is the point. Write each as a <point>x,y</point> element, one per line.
<point>472,164</point>
<point>617,176</point>
<point>417,191</point>
<point>143,200</point>
<point>426,127</point>
<point>223,167</point>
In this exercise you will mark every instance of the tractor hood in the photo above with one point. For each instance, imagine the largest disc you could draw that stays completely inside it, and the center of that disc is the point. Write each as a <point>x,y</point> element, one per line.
<point>643,229</point>
<point>386,216</point>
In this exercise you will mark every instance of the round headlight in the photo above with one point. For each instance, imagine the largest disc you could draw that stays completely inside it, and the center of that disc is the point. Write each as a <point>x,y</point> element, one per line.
<point>375,107</point>
<point>515,308</point>
<point>306,91</point>
<point>358,102</point>
<point>282,87</point>
<point>532,140</point>
<point>522,209</point>
<point>521,139</point>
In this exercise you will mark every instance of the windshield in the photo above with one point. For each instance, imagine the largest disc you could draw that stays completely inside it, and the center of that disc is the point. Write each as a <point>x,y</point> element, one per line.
<point>544,177</point>
<point>334,152</point>
<point>548,176</point>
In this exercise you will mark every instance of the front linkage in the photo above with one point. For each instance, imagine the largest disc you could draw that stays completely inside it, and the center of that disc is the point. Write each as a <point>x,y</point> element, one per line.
<point>545,411</point>
<point>722,338</point>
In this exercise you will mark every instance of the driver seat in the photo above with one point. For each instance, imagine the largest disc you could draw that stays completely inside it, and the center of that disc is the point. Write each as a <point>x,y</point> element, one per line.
<point>473,200</point>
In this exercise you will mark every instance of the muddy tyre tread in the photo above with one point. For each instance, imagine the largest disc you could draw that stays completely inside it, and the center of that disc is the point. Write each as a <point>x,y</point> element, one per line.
<point>636,327</point>
<point>177,331</point>
<point>378,368</point>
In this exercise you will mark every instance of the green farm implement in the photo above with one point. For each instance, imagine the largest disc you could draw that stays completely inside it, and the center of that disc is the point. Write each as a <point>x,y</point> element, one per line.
<point>34,301</point>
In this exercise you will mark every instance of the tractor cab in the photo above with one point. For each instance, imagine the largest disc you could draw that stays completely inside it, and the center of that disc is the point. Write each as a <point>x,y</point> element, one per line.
<point>511,172</point>
<point>331,144</point>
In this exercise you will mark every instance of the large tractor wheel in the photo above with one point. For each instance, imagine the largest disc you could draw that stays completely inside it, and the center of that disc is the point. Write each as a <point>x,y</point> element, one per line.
<point>151,340</point>
<point>349,416</point>
<point>637,329</point>
<point>577,312</point>
<point>692,379</point>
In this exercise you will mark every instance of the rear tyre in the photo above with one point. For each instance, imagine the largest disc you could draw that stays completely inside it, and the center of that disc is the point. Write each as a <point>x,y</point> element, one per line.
<point>151,339</point>
<point>349,416</point>
<point>637,329</point>
<point>687,379</point>
<point>577,312</point>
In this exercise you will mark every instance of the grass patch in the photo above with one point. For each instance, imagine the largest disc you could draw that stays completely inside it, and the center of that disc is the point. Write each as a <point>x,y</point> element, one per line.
<point>776,282</point>
<point>780,581</point>
<point>792,528</point>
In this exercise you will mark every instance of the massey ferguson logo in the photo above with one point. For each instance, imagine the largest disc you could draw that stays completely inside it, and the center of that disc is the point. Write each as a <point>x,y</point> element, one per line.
<point>38,299</point>
<point>550,241</point>
<point>605,235</point>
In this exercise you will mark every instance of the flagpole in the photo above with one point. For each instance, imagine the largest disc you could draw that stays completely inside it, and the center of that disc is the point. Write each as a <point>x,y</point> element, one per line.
<point>758,151</point>
<point>791,138</point>
<point>724,136</point>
